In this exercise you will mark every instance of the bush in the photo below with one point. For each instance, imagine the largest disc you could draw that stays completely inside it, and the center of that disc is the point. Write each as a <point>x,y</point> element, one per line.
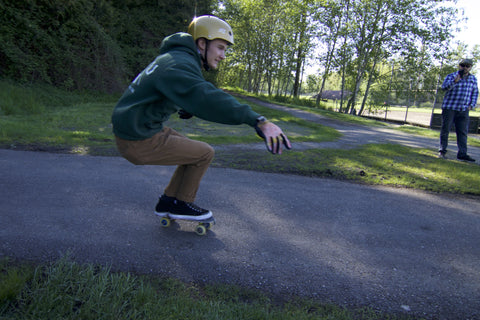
<point>86,44</point>
<point>16,99</point>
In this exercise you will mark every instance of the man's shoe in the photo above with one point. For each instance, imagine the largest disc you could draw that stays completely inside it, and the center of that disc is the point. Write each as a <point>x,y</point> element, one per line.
<point>466,157</point>
<point>164,206</point>
<point>441,154</point>
<point>188,211</point>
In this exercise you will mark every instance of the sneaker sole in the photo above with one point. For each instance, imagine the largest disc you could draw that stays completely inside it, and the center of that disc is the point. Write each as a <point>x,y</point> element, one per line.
<point>192,218</point>
<point>161,214</point>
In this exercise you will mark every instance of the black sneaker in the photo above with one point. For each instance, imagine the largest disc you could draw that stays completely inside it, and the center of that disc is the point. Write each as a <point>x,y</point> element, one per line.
<point>164,206</point>
<point>466,157</point>
<point>188,211</point>
<point>441,154</point>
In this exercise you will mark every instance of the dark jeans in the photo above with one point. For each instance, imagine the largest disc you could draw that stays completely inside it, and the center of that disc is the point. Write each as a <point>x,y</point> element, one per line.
<point>461,120</point>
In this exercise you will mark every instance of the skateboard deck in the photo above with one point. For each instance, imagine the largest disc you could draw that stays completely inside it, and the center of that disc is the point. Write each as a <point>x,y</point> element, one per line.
<point>200,229</point>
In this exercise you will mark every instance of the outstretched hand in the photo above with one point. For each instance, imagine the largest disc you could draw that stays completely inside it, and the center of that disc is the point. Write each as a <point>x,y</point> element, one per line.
<point>273,136</point>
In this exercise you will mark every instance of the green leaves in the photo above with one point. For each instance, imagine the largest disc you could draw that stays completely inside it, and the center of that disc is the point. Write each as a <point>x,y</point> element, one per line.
<point>273,39</point>
<point>87,44</point>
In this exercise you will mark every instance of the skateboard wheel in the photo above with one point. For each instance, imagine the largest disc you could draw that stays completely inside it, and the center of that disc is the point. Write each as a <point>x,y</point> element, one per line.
<point>207,225</point>
<point>165,222</point>
<point>201,230</point>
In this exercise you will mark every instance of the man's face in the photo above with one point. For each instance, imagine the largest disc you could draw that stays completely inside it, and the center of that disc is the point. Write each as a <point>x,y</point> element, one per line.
<point>465,67</point>
<point>216,51</point>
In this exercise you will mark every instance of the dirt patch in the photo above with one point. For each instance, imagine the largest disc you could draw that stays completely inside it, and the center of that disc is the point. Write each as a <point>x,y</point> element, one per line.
<point>93,151</point>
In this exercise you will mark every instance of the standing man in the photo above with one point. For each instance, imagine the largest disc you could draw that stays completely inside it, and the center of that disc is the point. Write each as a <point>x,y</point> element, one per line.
<point>460,97</point>
<point>173,83</point>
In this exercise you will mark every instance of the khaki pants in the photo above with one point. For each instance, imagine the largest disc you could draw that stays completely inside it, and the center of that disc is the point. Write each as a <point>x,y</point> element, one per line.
<point>168,147</point>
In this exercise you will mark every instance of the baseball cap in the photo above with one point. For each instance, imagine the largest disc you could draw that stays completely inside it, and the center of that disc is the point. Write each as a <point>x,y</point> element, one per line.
<point>467,62</point>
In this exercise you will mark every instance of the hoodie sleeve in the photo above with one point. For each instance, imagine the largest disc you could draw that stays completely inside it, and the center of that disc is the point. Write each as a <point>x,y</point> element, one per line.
<point>183,83</point>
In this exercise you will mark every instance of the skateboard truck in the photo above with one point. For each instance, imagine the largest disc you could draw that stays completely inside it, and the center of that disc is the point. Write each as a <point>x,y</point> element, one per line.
<point>200,229</point>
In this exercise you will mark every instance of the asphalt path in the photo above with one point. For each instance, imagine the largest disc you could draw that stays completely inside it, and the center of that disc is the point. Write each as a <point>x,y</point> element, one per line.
<point>394,250</point>
<point>355,135</point>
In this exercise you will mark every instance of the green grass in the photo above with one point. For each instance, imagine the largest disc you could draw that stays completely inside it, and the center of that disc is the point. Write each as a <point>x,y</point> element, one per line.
<point>46,118</point>
<point>214,133</point>
<point>68,290</point>
<point>435,134</point>
<point>372,164</point>
<point>80,123</point>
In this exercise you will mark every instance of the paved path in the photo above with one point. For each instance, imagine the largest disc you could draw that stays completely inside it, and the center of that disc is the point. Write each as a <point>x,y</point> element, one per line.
<point>355,135</point>
<point>394,250</point>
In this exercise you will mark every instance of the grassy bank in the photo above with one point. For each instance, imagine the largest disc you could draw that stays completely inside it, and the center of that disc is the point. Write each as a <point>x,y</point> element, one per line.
<point>388,165</point>
<point>67,290</point>
<point>46,119</point>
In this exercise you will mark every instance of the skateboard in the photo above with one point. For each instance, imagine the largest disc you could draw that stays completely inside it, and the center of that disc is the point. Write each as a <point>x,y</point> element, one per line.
<point>200,229</point>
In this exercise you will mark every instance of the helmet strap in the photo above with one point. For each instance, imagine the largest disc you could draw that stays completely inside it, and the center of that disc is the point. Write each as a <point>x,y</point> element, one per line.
<point>204,59</point>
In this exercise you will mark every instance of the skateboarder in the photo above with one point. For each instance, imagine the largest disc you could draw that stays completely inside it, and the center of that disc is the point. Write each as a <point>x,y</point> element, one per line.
<point>460,97</point>
<point>173,83</point>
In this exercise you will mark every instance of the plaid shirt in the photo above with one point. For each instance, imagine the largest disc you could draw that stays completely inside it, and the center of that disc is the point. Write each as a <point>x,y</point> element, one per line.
<point>461,95</point>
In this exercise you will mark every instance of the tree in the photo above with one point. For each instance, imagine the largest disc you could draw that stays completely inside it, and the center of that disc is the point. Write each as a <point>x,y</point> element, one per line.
<point>379,29</point>
<point>330,20</point>
<point>302,11</point>
<point>87,44</point>
<point>272,39</point>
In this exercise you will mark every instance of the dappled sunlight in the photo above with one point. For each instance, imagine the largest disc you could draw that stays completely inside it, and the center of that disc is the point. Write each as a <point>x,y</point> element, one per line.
<point>80,134</point>
<point>402,166</point>
<point>272,227</point>
<point>468,267</point>
<point>377,242</point>
<point>81,150</point>
<point>316,243</point>
<point>422,172</point>
<point>446,202</point>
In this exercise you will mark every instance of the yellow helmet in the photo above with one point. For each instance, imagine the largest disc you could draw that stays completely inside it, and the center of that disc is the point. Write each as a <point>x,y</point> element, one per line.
<point>210,27</point>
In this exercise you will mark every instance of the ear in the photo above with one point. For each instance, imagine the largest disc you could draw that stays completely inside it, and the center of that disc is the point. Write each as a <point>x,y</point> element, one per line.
<point>201,44</point>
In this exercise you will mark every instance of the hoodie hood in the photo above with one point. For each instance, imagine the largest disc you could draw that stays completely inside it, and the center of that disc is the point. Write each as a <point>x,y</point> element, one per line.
<point>179,42</point>
<point>174,81</point>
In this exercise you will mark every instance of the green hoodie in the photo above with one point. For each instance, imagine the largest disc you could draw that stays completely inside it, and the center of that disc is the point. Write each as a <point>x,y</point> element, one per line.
<point>171,82</point>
